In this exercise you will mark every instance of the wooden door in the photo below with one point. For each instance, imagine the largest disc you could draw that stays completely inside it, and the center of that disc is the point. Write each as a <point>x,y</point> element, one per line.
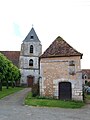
<point>65,91</point>
<point>30,80</point>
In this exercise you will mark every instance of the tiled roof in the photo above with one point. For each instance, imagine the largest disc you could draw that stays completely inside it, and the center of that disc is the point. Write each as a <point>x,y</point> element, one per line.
<point>86,72</point>
<point>32,36</point>
<point>12,56</point>
<point>60,48</point>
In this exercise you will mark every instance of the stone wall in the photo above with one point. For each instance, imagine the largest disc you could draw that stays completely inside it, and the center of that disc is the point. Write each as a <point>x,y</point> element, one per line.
<point>55,70</point>
<point>24,62</point>
<point>25,56</point>
<point>25,73</point>
<point>25,49</point>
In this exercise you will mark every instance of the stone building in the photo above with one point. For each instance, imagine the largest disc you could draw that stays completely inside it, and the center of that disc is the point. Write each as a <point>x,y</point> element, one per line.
<point>31,49</point>
<point>60,71</point>
<point>86,75</point>
<point>27,60</point>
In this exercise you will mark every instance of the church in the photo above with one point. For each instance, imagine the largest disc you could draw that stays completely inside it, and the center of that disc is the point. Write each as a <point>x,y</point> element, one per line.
<point>58,69</point>
<point>29,62</point>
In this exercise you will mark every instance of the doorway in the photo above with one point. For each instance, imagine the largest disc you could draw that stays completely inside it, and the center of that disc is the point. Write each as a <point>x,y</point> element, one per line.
<point>30,80</point>
<point>65,91</point>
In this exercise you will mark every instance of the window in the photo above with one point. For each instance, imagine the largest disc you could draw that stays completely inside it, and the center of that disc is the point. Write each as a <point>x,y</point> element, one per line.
<point>31,49</point>
<point>31,37</point>
<point>85,76</point>
<point>71,67</point>
<point>30,62</point>
<point>71,63</point>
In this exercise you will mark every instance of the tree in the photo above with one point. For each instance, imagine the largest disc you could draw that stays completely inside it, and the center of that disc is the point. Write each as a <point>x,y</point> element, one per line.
<point>13,74</point>
<point>3,69</point>
<point>8,71</point>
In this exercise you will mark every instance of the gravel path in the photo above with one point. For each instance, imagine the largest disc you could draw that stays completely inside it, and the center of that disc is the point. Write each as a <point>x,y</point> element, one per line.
<point>12,108</point>
<point>16,98</point>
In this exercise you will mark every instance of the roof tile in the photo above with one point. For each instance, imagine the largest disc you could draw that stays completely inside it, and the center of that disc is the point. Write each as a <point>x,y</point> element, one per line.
<point>60,48</point>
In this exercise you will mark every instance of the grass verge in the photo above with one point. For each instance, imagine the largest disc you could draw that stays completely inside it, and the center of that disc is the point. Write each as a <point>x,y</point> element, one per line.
<point>87,97</point>
<point>6,92</point>
<point>32,101</point>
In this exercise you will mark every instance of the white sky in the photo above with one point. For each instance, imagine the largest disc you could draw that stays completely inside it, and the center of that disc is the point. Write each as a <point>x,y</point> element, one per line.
<point>69,19</point>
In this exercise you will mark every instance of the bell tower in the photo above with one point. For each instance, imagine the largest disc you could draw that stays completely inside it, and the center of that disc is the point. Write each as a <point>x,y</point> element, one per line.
<point>31,49</point>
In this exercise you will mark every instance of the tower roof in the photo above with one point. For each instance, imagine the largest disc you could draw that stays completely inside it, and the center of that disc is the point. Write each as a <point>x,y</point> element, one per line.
<point>60,48</point>
<point>32,36</point>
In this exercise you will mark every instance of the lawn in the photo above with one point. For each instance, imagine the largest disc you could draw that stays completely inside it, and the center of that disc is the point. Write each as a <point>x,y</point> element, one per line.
<point>32,101</point>
<point>6,92</point>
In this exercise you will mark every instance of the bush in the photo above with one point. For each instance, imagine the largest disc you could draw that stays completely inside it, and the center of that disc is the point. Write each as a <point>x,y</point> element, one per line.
<point>88,83</point>
<point>35,89</point>
<point>4,83</point>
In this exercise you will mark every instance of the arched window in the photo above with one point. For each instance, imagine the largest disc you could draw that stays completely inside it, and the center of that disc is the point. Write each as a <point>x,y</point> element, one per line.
<point>31,48</point>
<point>30,62</point>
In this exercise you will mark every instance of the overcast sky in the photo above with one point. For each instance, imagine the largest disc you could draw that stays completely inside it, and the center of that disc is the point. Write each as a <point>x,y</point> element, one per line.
<point>69,19</point>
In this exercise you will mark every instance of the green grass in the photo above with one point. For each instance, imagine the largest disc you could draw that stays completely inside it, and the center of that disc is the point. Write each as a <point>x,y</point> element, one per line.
<point>32,101</point>
<point>87,97</point>
<point>6,92</point>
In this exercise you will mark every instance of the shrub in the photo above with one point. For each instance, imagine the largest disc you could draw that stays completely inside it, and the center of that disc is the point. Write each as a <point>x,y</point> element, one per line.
<point>35,89</point>
<point>88,83</point>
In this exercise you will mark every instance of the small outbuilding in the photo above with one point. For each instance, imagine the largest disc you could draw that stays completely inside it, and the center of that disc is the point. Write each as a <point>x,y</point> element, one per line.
<point>60,72</point>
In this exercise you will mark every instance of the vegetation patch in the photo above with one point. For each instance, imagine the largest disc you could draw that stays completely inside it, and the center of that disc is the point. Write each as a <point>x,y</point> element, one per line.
<point>6,92</point>
<point>9,73</point>
<point>87,97</point>
<point>36,101</point>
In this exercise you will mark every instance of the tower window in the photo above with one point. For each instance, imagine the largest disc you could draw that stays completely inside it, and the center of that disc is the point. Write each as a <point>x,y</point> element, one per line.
<point>31,37</point>
<point>30,62</point>
<point>31,48</point>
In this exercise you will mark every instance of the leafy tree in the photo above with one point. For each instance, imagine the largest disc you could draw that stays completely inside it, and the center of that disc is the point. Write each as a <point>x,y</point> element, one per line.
<point>13,74</point>
<point>3,69</point>
<point>8,71</point>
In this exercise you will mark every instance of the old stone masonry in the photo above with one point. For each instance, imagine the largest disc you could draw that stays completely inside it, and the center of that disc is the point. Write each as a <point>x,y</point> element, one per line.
<point>58,69</point>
